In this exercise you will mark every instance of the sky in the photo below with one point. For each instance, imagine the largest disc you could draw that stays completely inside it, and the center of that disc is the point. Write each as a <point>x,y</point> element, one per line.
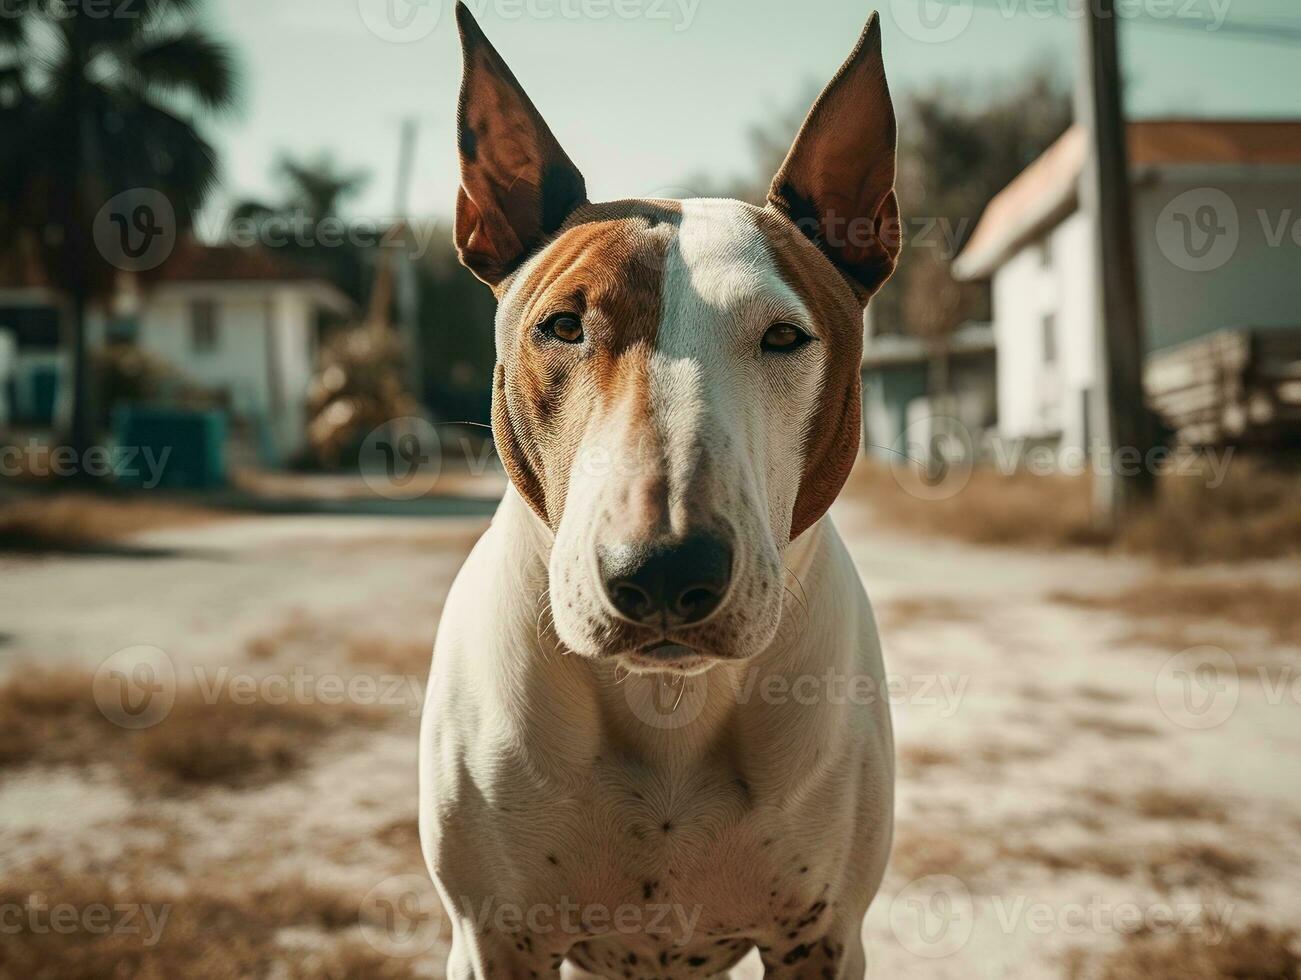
<point>645,93</point>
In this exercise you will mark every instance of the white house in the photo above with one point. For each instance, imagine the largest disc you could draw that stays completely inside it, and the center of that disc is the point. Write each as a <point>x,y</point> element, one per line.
<point>1217,215</point>
<point>898,384</point>
<point>240,323</point>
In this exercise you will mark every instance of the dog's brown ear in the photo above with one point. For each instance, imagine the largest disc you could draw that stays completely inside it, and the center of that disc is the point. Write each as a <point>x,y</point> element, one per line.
<point>517,184</point>
<point>837,183</point>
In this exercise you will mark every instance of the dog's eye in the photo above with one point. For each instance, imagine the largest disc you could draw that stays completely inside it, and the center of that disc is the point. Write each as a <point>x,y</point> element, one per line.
<point>784,337</point>
<point>566,327</point>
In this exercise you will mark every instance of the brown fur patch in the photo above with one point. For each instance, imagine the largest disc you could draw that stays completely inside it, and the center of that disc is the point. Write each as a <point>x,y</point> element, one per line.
<point>831,439</point>
<point>607,265</point>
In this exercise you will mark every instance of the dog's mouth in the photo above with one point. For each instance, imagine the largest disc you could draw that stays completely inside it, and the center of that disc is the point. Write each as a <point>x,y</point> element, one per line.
<point>668,650</point>
<point>668,656</point>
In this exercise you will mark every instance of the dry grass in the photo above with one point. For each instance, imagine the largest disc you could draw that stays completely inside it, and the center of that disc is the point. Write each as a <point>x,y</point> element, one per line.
<point>410,657</point>
<point>237,744</point>
<point>916,853</point>
<point>1253,604</point>
<point>51,718</point>
<point>1109,726</point>
<point>917,761</point>
<point>1253,953</point>
<point>1166,804</point>
<point>1165,866</point>
<point>1154,803</point>
<point>1099,695</point>
<point>298,632</point>
<point>301,634</point>
<point>926,611</point>
<point>216,930</point>
<point>81,522</point>
<point>47,715</point>
<point>1254,513</point>
<point>1001,753</point>
<point>403,835</point>
<point>1020,509</point>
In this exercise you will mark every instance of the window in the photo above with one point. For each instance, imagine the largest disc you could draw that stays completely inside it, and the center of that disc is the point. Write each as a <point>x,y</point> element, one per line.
<point>122,329</point>
<point>1049,327</point>
<point>203,326</point>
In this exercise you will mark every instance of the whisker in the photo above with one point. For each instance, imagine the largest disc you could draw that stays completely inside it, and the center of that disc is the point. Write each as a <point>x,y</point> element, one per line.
<point>682,687</point>
<point>804,595</point>
<point>801,603</point>
<point>537,627</point>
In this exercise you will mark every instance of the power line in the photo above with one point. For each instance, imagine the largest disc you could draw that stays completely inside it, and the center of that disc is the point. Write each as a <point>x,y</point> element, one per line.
<point>1256,31</point>
<point>1285,34</point>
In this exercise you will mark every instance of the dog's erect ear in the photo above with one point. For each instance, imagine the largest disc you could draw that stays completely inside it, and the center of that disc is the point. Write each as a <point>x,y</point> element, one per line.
<point>837,183</point>
<point>517,184</point>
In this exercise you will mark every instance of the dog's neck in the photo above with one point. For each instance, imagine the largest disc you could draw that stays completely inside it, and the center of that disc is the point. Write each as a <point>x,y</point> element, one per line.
<point>591,702</point>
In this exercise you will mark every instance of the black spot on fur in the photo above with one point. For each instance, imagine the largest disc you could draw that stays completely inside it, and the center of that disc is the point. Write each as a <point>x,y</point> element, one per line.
<point>797,953</point>
<point>468,143</point>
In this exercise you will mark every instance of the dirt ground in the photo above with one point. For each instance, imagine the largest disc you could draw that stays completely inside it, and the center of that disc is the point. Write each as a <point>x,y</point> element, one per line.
<point>1088,787</point>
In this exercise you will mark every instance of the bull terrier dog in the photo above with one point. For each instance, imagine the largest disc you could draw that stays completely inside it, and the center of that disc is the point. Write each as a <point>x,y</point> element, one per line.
<point>634,762</point>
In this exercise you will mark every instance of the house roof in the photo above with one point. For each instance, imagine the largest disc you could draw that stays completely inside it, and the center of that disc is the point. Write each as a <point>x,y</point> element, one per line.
<point>190,262</point>
<point>1047,190</point>
<point>972,339</point>
<point>195,262</point>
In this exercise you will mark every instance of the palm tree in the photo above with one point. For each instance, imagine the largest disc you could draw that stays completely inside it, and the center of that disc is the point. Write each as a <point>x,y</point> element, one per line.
<point>313,191</point>
<point>317,187</point>
<point>97,100</point>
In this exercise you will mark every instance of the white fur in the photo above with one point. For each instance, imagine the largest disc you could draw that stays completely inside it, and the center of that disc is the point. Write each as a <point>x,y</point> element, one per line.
<point>549,778</point>
<point>730,422</point>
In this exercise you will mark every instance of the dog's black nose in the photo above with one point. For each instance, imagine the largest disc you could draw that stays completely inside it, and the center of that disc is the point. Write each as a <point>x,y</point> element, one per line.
<point>679,581</point>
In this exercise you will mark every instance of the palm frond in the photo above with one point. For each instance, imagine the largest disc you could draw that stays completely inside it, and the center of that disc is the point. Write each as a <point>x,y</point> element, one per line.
<point>160,8</point>
<point>251,210</point>
<point>188,64</point>
<point>151,146</point>
<point>319,186</point>
<point>13,86</point>
<point>13,22</point>
<point>139,16</point>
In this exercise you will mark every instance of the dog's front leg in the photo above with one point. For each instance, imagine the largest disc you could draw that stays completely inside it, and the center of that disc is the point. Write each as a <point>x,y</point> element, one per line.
<point>485,954</point>
<point>837,955</point>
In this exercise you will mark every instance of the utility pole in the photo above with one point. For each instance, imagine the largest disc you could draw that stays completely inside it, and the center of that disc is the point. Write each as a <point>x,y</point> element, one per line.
<point>406,291</point>
<point>1119,418</point>
<point>382,290</point>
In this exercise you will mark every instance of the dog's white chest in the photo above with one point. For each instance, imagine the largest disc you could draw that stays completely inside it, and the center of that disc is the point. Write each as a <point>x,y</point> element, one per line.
<point>696,841</point>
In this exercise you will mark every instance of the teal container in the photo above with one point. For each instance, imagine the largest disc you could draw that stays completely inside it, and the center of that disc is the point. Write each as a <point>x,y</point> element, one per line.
<point>176,449</point>
<point>45,394</point>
